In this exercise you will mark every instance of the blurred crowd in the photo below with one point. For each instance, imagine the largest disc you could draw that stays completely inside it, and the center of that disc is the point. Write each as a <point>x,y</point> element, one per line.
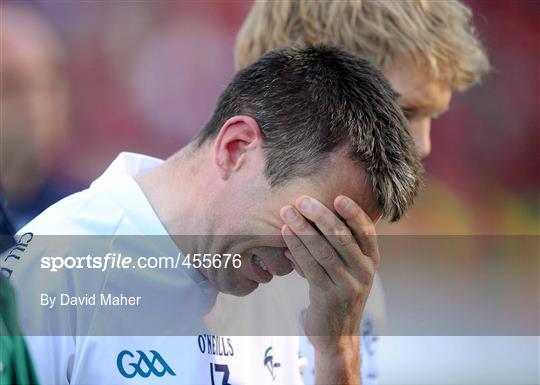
<point>82,81</point>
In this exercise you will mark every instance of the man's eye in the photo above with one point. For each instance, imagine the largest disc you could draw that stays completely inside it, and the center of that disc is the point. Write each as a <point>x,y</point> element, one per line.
<point>409,113</point>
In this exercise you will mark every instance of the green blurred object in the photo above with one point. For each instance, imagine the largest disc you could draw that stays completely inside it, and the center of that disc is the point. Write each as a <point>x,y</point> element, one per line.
<point>15,362</point>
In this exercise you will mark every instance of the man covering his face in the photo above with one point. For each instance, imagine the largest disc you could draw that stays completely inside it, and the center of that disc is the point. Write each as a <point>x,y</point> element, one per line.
<point>305,150</point>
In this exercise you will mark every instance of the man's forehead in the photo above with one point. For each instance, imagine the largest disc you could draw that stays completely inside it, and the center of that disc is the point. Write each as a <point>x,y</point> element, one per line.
<point>340,175</point>
<point>417,88</point>
<point>431,96</point>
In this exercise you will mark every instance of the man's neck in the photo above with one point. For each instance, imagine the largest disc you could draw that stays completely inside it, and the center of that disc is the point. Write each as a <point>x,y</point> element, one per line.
<point>170,190</point>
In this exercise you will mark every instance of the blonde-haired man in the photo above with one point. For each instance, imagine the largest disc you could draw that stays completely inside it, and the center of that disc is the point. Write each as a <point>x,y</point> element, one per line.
<point>427,49</point>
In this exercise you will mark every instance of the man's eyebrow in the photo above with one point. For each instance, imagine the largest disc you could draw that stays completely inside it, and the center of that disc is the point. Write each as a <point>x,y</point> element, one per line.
<point>421,105</point>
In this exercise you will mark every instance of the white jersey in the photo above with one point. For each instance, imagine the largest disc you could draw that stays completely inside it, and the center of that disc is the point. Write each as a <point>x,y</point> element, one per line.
<point>115,205</point>
<point>287,297</point>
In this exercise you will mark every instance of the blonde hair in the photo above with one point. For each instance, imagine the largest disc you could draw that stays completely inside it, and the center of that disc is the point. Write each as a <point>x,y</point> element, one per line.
<point>438,35</point>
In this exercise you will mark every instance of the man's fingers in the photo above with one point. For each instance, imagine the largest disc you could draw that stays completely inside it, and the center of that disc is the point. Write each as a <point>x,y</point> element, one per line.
<point>296,267</point>
<point>309,266</point>
<point>335,231</point>
<point>361,225</point>
<point>317,245</point>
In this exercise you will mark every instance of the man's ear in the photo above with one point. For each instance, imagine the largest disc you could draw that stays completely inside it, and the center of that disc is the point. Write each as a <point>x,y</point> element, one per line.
<point>236,137</point>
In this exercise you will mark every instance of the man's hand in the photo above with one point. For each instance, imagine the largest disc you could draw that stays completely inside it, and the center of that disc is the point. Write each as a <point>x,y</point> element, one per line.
<point>339,259</point>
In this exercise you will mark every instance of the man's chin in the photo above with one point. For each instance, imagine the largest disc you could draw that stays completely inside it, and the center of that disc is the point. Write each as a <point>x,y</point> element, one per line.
<point>242,290</point>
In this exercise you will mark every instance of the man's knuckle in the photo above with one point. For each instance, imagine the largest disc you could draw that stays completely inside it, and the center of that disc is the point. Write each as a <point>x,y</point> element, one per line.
<point>343,235</point>
<point>367,230</point>
<point>354,294</point>
<point>320,277</point>
<point>368,272</point>
<point>311,264</point>
<point>333,297</point>
<point>317,216</point>
<point>328,256</point>
<point>376,260</point>
<point>354,288</point>
<point>350,287</point>
<point>302,226</point>
<point>296,247</point>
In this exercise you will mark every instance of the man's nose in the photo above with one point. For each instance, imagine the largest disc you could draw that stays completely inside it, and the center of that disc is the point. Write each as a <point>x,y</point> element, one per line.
<point>421,132</point>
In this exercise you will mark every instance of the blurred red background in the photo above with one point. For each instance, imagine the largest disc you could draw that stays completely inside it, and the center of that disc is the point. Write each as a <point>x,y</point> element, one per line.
<point>144,76</point>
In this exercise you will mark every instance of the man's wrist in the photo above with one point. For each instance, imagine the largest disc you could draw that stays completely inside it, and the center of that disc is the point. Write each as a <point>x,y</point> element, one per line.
<point>337,361</point>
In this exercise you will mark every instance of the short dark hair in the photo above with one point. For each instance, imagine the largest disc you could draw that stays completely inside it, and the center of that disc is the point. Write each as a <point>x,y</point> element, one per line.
<point>309,102</point>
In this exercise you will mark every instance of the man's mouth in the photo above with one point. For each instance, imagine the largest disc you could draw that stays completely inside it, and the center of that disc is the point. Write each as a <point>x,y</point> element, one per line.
<point>259,270</point>
<point>259,262</point>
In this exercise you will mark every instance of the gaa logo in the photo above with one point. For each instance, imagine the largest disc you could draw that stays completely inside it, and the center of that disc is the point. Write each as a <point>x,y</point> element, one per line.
<point>143,366</point>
